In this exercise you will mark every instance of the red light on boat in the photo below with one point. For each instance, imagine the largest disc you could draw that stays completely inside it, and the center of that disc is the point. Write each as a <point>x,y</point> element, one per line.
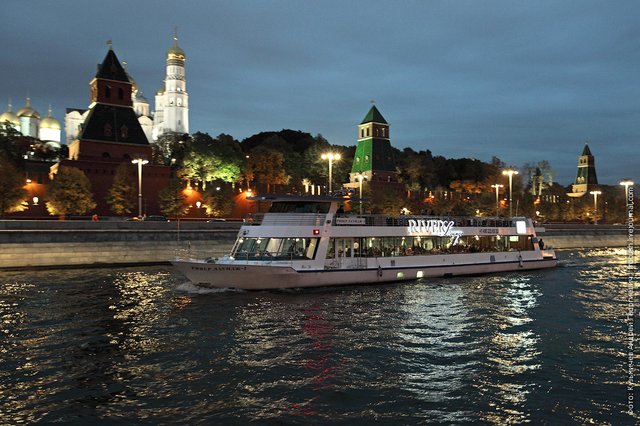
<point>316,232</point>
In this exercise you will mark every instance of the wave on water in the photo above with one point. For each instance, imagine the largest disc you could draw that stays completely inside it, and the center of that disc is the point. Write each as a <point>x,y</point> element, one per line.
<point>189,287</point>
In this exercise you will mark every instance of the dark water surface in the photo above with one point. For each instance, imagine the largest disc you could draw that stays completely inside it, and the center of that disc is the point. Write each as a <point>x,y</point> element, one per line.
<point>141,345</point>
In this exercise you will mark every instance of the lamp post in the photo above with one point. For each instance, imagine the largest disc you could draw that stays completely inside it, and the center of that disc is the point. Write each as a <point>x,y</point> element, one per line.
<point>626,183</point>
<point>360,178</point>
<point>510,173</point>
<point>595,205</point>
<point>497,186</point>
<point>140,162</point>
<point>330,156</point>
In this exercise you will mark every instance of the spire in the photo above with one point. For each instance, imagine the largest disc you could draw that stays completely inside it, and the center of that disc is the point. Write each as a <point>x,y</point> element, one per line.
<point>586,150</point>
<point>111,69</point>
<point>110,44</point>
<point>374,116</point>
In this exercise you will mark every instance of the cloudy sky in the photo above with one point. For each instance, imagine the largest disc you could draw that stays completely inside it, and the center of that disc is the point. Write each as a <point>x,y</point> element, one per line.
<point>524,81</point>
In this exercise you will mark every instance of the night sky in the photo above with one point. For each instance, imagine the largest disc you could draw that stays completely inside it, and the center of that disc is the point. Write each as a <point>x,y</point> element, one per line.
<point>523,81</point>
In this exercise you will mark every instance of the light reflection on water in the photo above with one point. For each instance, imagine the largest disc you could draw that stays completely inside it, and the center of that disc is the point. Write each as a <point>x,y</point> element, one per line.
<point>142,345</point>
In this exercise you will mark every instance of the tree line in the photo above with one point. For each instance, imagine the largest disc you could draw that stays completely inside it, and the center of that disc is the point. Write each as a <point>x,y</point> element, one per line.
<point>289,161</point>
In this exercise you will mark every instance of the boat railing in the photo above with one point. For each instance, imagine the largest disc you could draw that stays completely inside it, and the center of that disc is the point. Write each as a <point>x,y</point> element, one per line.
<point>403,220</point>
<point>286,219</point>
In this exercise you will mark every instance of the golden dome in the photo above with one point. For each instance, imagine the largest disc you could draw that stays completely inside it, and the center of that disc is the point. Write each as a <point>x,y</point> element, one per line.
<point>10,117</point>
<point>175,52</point>
<point>49,122</point>
<point>28,111</point>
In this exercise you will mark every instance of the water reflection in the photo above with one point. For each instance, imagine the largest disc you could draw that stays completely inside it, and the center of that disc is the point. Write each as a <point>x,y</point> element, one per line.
<point>509,341</point>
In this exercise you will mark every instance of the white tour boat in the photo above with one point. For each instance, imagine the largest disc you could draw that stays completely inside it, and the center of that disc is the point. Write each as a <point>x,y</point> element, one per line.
<point>309,242</point>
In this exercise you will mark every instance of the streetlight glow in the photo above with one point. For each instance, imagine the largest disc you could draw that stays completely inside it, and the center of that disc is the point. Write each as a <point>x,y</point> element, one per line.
<point>140,162</point>
<point>331,156</point>
<point>510,173</point>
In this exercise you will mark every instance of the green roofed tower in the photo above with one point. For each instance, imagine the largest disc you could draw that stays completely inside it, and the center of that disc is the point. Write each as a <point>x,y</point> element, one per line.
<point>374,156</point>
<point>374,168</point>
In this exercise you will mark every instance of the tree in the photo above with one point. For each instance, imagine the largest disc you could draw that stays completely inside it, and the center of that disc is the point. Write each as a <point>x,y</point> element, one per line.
<point>208,159</point>
<point>69,193</point>
<point>13,196</point>
<point>122,194</point>
<point>218,201</point>
<point>172,199</point>
<point>266,166</point>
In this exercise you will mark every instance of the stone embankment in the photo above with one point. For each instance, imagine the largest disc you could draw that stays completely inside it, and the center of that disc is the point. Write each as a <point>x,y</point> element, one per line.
<point>570,236</point>
<point>30,244</point>
<point>33,244</point>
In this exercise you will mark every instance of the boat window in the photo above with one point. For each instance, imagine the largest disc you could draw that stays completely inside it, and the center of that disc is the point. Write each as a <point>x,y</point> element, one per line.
<point>275,248</point>
<point>299,207</point>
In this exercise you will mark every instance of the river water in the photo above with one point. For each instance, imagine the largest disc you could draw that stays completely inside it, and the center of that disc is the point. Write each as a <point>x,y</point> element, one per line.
<point>143,346</point>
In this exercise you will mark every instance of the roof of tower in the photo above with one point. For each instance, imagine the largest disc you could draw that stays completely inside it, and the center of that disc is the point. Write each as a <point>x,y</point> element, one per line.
<point>27,110</point>
<point>374,116</point>
<point>175,52</point>
<point>110,123</point>
<point>111,69</point>
<point>49,122</point>
<point>586,150</point>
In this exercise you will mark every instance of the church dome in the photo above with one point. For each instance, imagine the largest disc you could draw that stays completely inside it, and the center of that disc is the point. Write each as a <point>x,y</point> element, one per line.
<point>175,53</point>
<point>9,116</point>
<point>50,123</point>
<point>28,111</point>
<point>139,97</point>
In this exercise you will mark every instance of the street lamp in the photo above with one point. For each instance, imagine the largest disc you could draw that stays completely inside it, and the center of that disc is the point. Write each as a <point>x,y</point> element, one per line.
<point>140,162</point>
<point>595,205</point>
<point>497,186</point>
<point>510,173</point>
<point>626,183</point>
<point>330,156</point>
<point>360,177</point>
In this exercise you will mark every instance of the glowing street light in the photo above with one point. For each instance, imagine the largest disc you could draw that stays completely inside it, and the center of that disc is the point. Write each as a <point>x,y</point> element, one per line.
<point>510,173</point>
<point>140,162</point>
<point>497,186</point>
<point>626,183</point>
<point>595,205</point>
<point>331,157</point>
<point>360,177</point>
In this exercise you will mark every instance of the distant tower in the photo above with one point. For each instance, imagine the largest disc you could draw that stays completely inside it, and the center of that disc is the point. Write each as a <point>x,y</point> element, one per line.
<point>172,102</point>
<point>586,179</point>
<point>373,161</point>
<point>374,157</point>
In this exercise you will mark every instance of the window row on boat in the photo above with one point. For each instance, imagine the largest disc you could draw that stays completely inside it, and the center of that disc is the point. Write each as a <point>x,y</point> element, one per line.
<point>415,246</point>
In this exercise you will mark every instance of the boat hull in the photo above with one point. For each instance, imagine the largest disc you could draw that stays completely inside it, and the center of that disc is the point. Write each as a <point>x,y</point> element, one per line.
<point>264,277</point>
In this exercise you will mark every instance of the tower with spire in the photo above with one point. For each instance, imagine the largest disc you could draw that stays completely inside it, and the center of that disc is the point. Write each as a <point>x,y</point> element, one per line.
<point>172,100</point>
<point>111,135</point>
<point>373,162</point>
<point>586,179</point>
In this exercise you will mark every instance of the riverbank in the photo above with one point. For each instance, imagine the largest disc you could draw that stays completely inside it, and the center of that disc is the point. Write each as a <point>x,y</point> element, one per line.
<point>46,244</point>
